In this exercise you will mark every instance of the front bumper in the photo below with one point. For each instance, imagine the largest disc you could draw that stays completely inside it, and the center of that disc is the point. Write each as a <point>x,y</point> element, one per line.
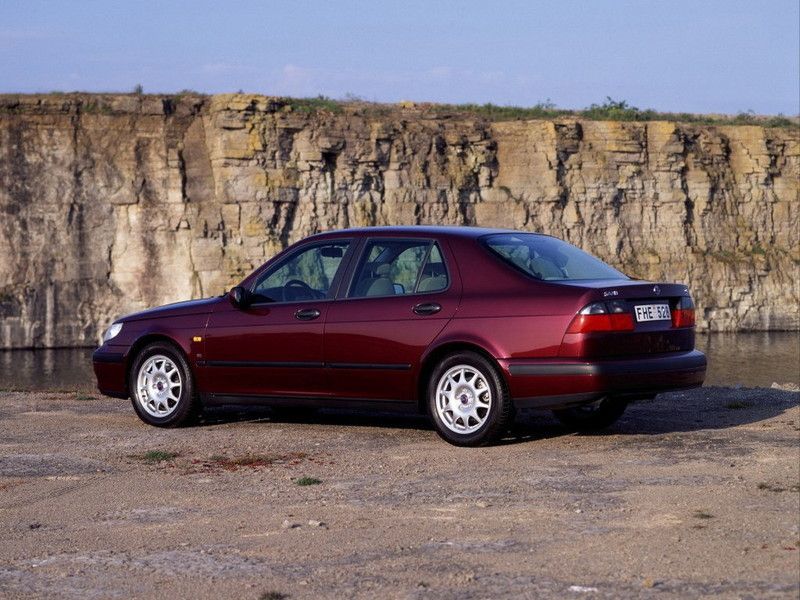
<point>554,383</point>
<point>109,363</point>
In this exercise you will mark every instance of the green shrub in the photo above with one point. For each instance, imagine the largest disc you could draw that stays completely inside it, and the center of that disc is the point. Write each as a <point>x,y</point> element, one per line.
<point>312,105</point>
<point>156,456</point>
<point>308,481</point>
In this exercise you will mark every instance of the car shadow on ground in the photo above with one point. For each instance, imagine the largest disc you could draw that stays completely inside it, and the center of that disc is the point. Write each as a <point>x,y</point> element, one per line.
<point>325,416</point>
<point>707,408</point>
<point>692,410</point>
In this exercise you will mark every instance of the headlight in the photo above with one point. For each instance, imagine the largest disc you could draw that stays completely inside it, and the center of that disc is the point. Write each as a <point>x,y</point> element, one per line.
<point>112,332</point>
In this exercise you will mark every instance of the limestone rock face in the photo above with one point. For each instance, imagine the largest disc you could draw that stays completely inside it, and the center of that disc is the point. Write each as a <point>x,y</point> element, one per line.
<point>111,204</point>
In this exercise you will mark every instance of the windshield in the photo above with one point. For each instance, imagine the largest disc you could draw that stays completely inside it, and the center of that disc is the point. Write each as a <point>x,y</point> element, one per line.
<point>548,258</point>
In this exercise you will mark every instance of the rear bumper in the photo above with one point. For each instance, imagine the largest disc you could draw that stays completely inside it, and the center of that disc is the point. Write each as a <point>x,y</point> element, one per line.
<point>558,383</point>
<point>109,368</point>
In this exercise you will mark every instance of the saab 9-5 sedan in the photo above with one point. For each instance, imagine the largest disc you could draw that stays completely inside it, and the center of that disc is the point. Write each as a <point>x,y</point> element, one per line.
<point>464,324</point>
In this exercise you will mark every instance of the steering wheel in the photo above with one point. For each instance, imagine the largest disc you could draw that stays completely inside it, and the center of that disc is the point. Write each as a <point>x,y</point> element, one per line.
<point>302,286</point>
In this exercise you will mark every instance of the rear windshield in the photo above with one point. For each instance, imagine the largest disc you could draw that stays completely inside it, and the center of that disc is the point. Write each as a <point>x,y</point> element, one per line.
<point>548,258</point>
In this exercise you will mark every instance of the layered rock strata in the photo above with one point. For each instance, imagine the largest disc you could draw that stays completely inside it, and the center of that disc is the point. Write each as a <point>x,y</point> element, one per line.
<point>110,204</point>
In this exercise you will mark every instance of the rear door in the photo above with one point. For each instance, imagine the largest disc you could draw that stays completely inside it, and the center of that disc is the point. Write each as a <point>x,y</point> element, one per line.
<point>401,294</point>
<point>274,346</point>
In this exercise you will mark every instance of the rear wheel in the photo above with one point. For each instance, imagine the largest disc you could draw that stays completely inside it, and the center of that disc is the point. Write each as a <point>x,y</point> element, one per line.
<point>592,417</point>
<point>468,400</point>
<point>161,386</point>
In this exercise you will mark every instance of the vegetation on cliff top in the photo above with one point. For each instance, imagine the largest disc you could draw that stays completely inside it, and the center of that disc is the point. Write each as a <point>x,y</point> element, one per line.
<point>609,110</point>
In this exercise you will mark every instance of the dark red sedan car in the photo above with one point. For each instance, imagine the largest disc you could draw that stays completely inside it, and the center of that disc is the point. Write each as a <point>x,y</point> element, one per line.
<point>463,323</point>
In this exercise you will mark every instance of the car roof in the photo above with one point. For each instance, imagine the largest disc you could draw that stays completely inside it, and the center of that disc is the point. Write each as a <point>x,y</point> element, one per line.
<point>464,231</point>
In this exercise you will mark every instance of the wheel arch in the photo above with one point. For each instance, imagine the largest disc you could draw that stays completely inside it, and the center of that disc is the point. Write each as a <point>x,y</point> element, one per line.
<point>432,358</point>
<point>147,339</point>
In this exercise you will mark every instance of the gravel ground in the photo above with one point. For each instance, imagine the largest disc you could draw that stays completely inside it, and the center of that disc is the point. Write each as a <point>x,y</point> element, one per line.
<point>693,494</point>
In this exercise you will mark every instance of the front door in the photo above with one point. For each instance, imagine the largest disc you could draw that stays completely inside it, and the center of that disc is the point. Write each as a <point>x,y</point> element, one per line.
<point>401,296</point>
<point>273,348</point>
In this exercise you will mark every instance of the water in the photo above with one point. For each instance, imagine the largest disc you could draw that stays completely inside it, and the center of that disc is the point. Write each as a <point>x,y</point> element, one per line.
<point>61,369</point>
<point>751,359</point>
<point>746,359</point>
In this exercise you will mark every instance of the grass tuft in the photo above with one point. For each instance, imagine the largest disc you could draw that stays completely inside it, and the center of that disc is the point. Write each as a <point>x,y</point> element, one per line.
<point>493,112</point>
<point>156,456</point>
<point>273,595</point>
<point>247,460</point>
<point>312,105</point>
<point>780,121</point>
<point>699,514</point>
<point>308,481</point>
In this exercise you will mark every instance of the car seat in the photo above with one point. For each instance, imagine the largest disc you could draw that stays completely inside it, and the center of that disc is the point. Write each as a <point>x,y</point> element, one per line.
<point>380,285</point>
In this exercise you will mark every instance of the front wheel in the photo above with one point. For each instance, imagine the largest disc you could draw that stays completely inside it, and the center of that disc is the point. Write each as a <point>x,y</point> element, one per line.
<point>592,417</point>
<point>468,401</point>
<point>161,386</point>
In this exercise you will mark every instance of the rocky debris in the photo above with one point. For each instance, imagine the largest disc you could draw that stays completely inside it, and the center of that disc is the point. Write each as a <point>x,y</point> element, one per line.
<point>112,204</point>
<point>661,495</point>
<point>786,387</point>
<point>320,524</point>
<point>47,465</point>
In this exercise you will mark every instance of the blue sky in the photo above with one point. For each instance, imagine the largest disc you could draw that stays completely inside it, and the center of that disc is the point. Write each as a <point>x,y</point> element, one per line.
<point>700,56</point>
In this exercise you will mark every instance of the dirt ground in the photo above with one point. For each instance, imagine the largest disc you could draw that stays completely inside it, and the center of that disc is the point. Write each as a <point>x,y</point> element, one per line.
<point>693,494</point>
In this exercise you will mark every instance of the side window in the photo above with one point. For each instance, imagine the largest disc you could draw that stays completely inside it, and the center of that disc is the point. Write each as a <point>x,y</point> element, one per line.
<point>399,267</point>
<point>306,275</point>
<point>434,275</point>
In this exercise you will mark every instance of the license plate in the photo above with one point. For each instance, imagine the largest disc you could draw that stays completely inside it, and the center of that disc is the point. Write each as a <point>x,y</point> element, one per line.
<point>652,312</point>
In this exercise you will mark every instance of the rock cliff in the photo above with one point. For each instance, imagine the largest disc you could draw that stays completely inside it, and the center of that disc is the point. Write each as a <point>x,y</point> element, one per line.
<point>113,203</point>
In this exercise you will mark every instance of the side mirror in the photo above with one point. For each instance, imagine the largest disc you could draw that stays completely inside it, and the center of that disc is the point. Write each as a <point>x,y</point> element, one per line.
<point>240,297</point>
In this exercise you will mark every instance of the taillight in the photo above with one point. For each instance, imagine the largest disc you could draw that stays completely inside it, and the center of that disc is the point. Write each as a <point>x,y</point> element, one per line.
<point>602,316</point>
<point>683,313</point>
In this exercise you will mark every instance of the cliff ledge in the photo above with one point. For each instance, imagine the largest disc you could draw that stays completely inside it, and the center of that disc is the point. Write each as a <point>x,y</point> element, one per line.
<point>113,203</point>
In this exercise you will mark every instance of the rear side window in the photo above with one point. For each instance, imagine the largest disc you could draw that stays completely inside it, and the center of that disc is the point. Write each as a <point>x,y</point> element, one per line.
<point>399,267</point>
<point>549,259</point>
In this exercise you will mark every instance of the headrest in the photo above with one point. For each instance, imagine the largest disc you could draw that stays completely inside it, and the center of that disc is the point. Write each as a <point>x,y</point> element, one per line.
<point>383,270</point>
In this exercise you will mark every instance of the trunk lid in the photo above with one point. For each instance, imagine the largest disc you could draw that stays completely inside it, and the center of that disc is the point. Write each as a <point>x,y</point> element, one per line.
<point>650,305</point>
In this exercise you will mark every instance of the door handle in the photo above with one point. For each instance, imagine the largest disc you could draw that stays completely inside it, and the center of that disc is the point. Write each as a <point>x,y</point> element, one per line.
<point>427,308</point>
<point>307,314</point>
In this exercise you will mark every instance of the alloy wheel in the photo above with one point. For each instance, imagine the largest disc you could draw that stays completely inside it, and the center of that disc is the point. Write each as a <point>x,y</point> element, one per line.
<point>463,399</point>
<point>158,386</point>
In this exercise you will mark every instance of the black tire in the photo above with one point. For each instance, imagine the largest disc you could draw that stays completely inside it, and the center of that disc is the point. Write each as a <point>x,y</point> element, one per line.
<point>187,408</point>
<point>592,417</point>
<point>498,417</point>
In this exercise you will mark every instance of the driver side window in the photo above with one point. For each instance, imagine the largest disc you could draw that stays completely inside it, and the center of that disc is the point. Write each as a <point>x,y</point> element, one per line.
<point>305,275</point>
